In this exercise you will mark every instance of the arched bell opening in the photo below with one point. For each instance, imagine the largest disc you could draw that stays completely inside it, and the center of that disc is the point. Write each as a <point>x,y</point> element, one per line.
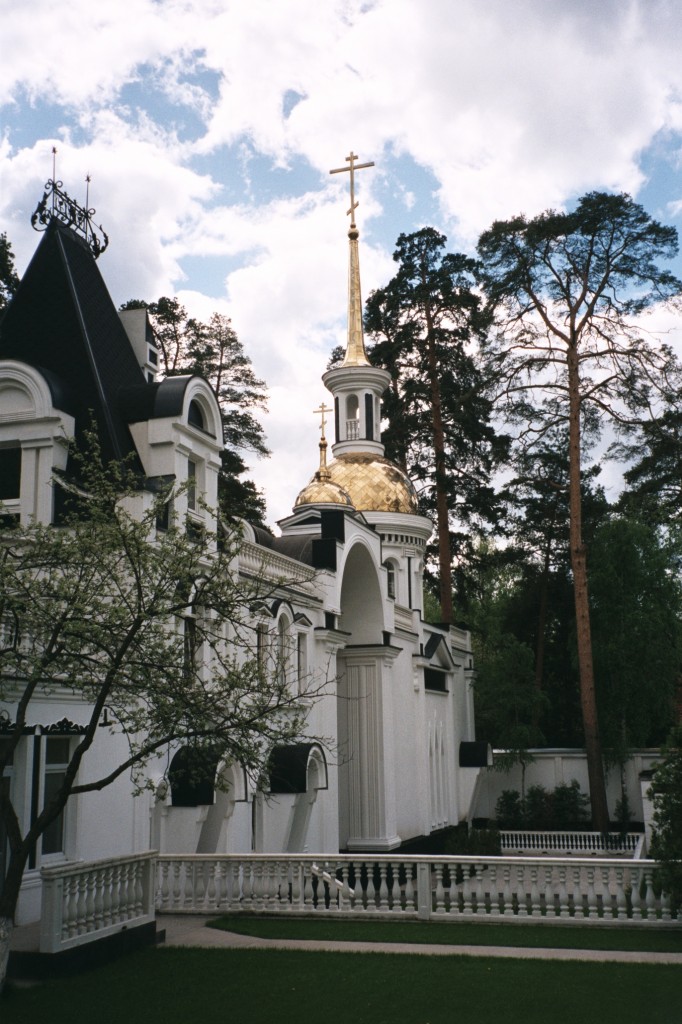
<point>352,418</point>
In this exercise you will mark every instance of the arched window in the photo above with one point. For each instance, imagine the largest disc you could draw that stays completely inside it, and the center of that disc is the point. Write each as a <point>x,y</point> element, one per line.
<point>301,660</point>
<point>391,579</point>
<point>195,415</point>
<point>283,650</point>
<point>352,418</point>
<point>192,775</point>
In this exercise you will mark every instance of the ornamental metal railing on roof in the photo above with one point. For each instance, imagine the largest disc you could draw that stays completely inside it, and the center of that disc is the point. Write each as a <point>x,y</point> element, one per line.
<point>56,203</point>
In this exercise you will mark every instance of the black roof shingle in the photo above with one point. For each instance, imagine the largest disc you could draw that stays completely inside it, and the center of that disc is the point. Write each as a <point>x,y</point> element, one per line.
<point>63,322</point>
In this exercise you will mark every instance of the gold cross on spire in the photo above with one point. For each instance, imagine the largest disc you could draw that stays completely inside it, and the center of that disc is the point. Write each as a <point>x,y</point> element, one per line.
<point>322,410</point>
<point>352,168</point>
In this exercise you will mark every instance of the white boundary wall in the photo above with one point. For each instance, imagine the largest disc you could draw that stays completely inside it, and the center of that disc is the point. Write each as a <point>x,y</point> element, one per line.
<point>556,766</point>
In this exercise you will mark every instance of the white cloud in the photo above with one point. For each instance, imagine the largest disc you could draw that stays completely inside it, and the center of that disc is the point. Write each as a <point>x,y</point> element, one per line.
<point>178,107</point>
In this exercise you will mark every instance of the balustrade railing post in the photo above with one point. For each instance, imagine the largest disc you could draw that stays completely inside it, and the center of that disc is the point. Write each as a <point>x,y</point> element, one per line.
<point>51,915</point>
<point>423,891</point>
<point>409,889</point>
<point>383,887</point>
<point>357,870</point>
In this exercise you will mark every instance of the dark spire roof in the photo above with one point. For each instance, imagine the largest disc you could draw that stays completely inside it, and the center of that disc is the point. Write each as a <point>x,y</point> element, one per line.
<point>62,322</point>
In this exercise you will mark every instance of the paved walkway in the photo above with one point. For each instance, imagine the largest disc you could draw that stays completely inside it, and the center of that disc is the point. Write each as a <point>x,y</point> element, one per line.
<point>189,930</point>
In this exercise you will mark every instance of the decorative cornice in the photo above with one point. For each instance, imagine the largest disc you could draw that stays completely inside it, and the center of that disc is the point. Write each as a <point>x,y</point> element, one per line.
<point>64,727</point>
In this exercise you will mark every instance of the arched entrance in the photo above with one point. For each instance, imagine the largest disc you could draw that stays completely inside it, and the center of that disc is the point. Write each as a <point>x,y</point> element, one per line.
<point>367,810</point>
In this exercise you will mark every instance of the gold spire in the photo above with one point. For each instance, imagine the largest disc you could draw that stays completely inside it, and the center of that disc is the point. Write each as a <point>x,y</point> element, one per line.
<point>355,349</point>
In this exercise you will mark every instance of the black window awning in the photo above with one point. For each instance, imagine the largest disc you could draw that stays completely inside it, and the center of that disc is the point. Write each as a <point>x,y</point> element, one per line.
<point>475,754</point>
<point>192,775</point>
<point>290,767</point>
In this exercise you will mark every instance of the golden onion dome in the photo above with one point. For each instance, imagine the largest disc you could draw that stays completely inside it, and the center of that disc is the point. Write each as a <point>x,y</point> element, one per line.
<point>323,491</point>
<point>373,484</point>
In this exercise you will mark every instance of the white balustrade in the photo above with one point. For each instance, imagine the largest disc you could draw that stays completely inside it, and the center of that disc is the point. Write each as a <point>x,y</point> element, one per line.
<point>609,844</point>
<point>575,890</point>
<point>82,902</point>
<point>86,901</point>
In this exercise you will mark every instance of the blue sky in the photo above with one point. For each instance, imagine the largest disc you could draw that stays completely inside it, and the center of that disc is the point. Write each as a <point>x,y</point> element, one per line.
<point>209,128</point>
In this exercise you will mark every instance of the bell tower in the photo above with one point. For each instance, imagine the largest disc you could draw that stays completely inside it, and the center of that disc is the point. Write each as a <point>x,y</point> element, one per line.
<point>356,385</point>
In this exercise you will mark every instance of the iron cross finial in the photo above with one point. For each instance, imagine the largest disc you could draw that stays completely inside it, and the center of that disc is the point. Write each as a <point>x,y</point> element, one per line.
<point>353,167</point>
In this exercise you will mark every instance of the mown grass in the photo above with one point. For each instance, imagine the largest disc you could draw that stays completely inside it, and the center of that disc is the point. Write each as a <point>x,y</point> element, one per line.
<point>457,934</point>
<point>181,986</point>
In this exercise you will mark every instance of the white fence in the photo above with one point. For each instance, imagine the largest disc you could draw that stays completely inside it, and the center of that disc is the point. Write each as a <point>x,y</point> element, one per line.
<point>549,889</point>
<point>609,844</point>
<point>86,901</point>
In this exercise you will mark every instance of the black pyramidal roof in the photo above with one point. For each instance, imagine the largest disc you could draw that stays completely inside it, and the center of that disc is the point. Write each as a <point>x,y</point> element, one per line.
<point>63,322</point>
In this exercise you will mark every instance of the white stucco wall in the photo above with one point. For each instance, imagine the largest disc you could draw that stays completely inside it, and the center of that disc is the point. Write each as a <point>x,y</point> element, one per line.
<point>552,767</point>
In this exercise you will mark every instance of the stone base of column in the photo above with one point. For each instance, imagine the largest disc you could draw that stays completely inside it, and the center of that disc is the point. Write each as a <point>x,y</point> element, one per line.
<point>374,845</point>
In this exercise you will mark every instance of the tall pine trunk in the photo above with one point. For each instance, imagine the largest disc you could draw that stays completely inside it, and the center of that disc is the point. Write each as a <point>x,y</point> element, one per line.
<point>442,511</point>
<point>588,701</point>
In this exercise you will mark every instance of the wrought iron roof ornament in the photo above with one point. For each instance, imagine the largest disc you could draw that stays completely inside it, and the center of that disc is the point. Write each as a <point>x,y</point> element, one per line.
<point>68,211</point>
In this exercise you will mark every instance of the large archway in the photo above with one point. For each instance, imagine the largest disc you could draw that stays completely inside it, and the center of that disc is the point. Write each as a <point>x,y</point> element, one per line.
<point>364,708</point>
<point>361,606</point>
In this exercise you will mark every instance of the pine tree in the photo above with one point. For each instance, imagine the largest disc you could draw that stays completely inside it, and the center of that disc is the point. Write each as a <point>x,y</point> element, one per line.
<point>568,291</point>
<point>213,350</point>
<point>423,325</point>
<point>9,279</point>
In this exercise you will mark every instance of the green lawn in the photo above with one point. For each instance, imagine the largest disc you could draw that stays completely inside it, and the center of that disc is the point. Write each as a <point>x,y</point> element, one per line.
<point>460,934</point>
<point>209,986</point>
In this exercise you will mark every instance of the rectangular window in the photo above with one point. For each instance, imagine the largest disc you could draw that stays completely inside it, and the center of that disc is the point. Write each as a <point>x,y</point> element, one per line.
<point>163,516</point>
<point>282,651</point>
<point>193,632</point>
<point>301,661</point>
<point>191,485</point>
<point>189,632</point>
<point>435,680</point>
<point>10,473</point>
<point>390,580</point>
<point>261,647</point>
<point>57,753</point>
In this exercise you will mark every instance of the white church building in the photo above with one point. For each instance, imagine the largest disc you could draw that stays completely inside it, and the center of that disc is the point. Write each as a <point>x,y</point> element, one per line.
<point>398,760</point>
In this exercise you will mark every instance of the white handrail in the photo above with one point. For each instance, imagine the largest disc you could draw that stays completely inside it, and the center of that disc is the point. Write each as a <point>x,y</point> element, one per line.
<point>611,844</point>
<point>89,900</point>
<point>543,889</point>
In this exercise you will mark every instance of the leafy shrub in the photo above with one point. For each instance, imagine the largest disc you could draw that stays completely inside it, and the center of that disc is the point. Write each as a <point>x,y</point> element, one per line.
<point>666,846</point>
<point>570,807</point>
<point>562,808</point>
<point>537,808</point>
<point>473,842</point>
<point>509,810</point>
<point>623,811</point>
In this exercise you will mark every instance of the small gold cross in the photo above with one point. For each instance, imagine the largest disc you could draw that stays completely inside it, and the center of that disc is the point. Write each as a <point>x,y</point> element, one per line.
<point>322,410</point>
<point>352,168</point>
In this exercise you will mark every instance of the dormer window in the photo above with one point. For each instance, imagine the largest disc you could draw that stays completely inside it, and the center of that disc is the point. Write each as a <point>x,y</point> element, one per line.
<point>195,415</point>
